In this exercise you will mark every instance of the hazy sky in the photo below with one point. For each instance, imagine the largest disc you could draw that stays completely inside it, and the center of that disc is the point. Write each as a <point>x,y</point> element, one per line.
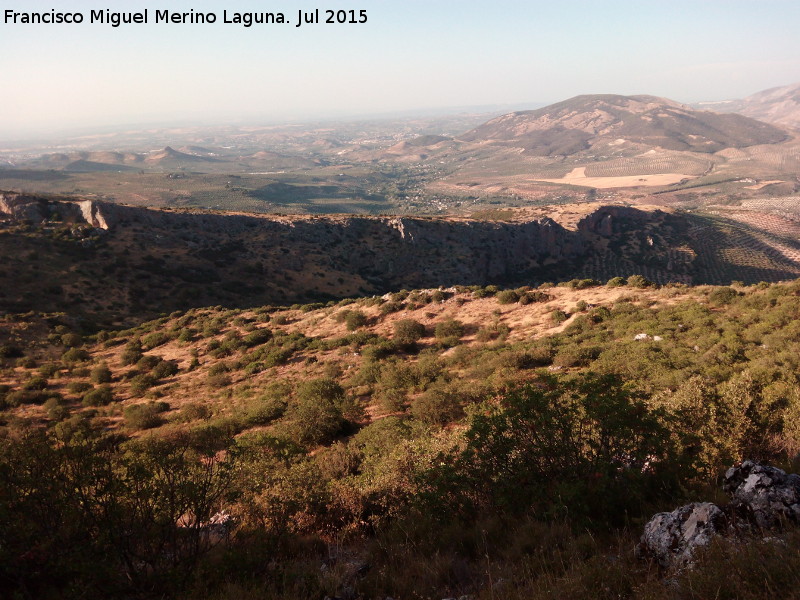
<point>411,54</point>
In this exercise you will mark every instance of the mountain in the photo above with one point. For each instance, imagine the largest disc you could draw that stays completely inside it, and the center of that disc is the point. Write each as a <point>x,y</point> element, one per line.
<point>780,105</point>
<point>581,122</point>
<point>171,156</point>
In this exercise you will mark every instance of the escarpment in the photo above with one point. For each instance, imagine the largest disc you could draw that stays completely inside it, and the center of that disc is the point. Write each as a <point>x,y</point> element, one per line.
<point>106,257</point>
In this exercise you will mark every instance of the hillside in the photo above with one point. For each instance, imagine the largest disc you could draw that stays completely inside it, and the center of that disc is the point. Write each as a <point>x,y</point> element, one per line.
<point>585,122</point>
<point>779,105</point>
<point>431,444</point>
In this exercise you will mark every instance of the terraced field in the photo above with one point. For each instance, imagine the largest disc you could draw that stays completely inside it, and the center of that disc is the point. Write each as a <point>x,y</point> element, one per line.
<point>745,246</point>
<point>650,165</point>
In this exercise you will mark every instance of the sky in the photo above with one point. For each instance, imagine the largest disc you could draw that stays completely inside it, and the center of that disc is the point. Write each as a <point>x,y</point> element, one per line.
<point>409,55</point>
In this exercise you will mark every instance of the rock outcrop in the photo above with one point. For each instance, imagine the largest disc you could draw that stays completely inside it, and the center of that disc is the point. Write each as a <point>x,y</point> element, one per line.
<point>23,207</point>
<point>672,538</point>
<point>764,495</point>
<point>763,498</point>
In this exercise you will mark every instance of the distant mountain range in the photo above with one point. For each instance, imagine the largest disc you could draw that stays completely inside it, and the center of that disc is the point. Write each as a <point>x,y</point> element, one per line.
<point>780,105</point>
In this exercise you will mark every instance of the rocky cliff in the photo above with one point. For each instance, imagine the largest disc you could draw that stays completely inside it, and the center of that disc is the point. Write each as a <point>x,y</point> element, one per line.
<point>148,259</point>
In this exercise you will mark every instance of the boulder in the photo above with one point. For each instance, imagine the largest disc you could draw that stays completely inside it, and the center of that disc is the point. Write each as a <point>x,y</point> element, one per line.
<point>672,537</point>
<point>765,495</point>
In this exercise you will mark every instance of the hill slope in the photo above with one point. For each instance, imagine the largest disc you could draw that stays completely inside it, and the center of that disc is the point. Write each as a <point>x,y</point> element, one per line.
<point>780,105</point>
<point>581,122</point>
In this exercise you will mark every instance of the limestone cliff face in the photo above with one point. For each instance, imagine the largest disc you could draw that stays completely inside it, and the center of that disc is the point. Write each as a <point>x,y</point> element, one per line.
<point>36,209</point>
<point>386,252</point>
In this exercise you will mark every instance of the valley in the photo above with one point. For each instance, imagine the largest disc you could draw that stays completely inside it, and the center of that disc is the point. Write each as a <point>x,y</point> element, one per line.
<point>464,356</point>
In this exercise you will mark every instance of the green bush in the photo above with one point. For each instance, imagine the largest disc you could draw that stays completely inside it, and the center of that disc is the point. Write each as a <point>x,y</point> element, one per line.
<point>407,332</point>
<point>535,296</point>
<point>451,328</point>
<point>101,374</point>
<point>48,370</point>
<point>317,411</point>
<point>257,337</point>
<point>390,307</point>
<point>75,355</point>
<point>507,297</point>
<point>586,446</point>
<point>141,383</point>
<point>722,295</point>
<point>355,319</point>
<point>79,387</point>
<point>147,362</point>
<point>154,340</point>
<point>9,351</point>
<point>29,397</point>
<point>438,406</point>
<point>56,411</point>
<point>263,410</point>
<point>165,368</point>
<point>35,383</point>
<point>638,281</point>
<point>100,396</point>
<point>617,282</point>
<point>144,416</point>
<point>132,354</point>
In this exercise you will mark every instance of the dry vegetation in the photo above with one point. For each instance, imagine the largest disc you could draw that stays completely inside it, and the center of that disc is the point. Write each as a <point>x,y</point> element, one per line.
<point>360,435</point>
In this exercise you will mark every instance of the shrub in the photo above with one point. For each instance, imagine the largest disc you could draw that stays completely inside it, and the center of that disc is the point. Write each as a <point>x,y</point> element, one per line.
<point>56,411</point>
<point>317,413</point>
<point>79,387</point>
<point>195,411</point>
<point>451,328</point>
<point>147,362</point>
<point>154,339</point>
<point>132,354</point>
<point>257,337</point>
<point>74,355</point>
<point>29,397</point>
<point>26,362</point>
<point>531,297</point>
<point>439,296</point>
<point>558,316</point>
<point>390,307</point>
<point>407,332</point>
<point>638,281</point>
<point>35,383</point>
<point>144,416</point>
<point>165,368</point>
<point>101,374</point>
<point>561,443</point>
<point>219,380</point>
<point>617,282</point>
<point>263,410</point>
<point>71,340</point>
<point>437,406</point>
<point>582,284</point>
<point>49,370</point>
<point>722,296</point>
<point>507,297</point>
<point>141,383</point>
<point>355,319</point>
<point>100,396</point>
<point>391,400</point>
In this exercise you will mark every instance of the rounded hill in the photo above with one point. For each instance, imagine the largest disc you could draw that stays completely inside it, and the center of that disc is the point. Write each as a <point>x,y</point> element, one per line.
<point>579,123</point>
